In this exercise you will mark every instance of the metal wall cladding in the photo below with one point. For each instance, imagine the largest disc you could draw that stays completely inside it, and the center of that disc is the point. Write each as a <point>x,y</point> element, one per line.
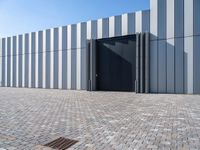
<point>174,63</point>
<point>56,58</point>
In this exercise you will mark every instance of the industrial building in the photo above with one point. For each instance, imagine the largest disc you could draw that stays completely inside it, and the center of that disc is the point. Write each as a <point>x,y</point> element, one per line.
<point>150,51</point>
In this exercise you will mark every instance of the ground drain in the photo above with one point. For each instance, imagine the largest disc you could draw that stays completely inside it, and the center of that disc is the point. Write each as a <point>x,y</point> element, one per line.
<point>61,143</point>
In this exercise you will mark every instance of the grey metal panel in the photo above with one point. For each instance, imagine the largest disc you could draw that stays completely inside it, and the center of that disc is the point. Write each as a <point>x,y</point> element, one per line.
<point>20,60</point>
<point>14,39</point>
<point>8,60</point>
<point>3,61</point>
<point>40,59</point>
<point>118,25</point>
<point>105,27</point>
<point>162,19</point>
<point>30,62</point>
<point>33,40</point>
<point>179,18</point>
<point>131,23</point>
<point>170,66</point>
<point>48,56</point>
<point>124,24</point>
<point>170,18</point>
<point>153,66</point>
<point>154,19</point>
<point>55,58</point>
<point>179,65</point>
<point>197,64</point>
<point>188,17</point>
<point>196,17</point>
<point>64,57</point>
<point>162,66</point>
<point>145,21</point>
<point>73,69</point>
<point>1,48</point>
<point>83,58</point>
<point>188,64</point>
<point>147,60</point>
<point>141,63</point>
<point>26,62</point>
<point>137,85</point>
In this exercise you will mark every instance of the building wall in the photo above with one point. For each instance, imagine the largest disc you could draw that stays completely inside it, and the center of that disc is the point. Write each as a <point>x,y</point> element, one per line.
<point>56,58</point>
<point>175,46</point>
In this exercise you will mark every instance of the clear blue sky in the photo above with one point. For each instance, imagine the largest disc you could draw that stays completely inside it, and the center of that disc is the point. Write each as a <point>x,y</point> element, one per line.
<point>22,16</point>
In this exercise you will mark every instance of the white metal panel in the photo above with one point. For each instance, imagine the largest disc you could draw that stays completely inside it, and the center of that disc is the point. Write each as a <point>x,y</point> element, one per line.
<point>162,19</point>
<point>30,61</point>
<point>162,66</point>
<point>55,59</point>
<point>36,60</point>
<point>170,66</point>
<point>188,17</point>
<point>23,60</point>
<point>124,24</point>
<point>11,62</point>
<point>196,17</point>
<point>179,65</point>
<point>138,27</point>
<point>154,19</point>
<point>112,26</point>
<point>154,67</point>
<point>188,64</point>
<point>44,59</point>
<point>69,57</point>
<point>48,58</point>
<point>17,61</point>
<point>8,60</point>
<point>52,58</point>
<point>145,21</point>
<point>170,19</point>
<point>92,30</point>
<point>60,53</point>
<point>64,57</point>
<point>179,18</point>
<point>78,56</point>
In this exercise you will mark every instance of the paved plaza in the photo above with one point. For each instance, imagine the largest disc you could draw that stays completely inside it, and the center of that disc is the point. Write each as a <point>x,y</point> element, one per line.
<point>30,118</point>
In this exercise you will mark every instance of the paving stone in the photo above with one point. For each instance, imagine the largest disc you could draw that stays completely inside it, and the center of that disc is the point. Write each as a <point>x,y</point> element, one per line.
<point>30,118</point>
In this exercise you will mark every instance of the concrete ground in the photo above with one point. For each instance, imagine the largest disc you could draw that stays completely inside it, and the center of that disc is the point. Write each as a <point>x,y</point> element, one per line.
<point>98,120</point>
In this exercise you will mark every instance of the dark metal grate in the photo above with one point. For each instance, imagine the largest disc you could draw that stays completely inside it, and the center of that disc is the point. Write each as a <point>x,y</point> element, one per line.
<point>61,143</point>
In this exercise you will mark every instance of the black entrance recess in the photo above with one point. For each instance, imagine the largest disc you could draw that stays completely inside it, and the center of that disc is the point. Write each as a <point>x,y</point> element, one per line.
<point>116,64</point>
<point>119,63</point>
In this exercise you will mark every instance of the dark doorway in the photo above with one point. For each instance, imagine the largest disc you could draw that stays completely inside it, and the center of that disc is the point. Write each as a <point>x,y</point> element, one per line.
<point>116,63</point>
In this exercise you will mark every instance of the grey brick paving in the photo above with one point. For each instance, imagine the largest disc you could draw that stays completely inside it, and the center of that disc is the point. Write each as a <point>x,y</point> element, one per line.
<point>98,120</point>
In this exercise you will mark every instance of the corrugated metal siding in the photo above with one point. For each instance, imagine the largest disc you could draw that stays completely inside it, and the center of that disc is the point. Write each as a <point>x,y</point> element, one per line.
<point>56,58</point>
<point>175,66</point>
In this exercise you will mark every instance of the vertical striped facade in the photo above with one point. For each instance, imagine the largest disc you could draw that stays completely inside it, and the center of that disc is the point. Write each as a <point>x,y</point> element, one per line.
<point>56,58</point>
<point>175,46</point>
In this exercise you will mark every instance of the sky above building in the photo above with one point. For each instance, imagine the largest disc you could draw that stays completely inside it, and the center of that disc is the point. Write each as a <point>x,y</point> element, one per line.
<point>24,16</point>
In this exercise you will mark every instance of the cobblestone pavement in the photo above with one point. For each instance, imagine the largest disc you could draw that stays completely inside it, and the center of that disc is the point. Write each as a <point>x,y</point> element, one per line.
<point>98,120</point>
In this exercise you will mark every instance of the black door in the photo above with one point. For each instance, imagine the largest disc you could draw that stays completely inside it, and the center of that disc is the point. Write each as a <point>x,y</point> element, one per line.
<point>116,63</point>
